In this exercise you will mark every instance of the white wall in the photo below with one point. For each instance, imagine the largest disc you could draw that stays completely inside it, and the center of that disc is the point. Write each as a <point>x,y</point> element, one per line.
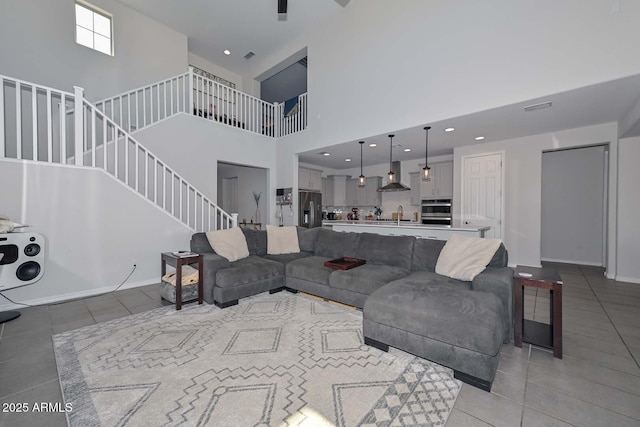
<point>94,227</point>
<point>522,188</point>
<point>194,146</point>
<point>250,180</point>
<point>38,45</point>
<point>573,206</point>
<point>629,211</point>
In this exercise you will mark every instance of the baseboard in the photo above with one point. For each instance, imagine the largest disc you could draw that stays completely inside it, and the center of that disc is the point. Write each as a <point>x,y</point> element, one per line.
<point>74,295</point>
<point>627,279</point>
<point>566,261</point>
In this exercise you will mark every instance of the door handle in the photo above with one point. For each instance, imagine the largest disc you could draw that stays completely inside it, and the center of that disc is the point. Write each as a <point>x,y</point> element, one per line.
<point>467,222</point>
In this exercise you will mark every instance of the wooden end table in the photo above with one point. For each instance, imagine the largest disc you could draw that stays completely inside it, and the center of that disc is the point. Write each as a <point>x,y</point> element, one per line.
<point>178,261</point>
<point>540,334</point>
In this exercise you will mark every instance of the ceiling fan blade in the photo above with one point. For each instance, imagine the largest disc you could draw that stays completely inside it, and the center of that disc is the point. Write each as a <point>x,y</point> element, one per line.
<point>282,6</point>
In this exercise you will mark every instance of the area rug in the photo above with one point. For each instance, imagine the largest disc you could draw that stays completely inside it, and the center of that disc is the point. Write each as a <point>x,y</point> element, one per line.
<point>272,360</point>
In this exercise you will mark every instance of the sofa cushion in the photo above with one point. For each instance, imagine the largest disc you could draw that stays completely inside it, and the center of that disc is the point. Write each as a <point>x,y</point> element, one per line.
<point>500,258</point>
<point>310,268</point>
<point>248,270</point>
<point>429,278</point>
<point>282,240</point>
<point>425,254</point>
<point>200,243</point>
<point>287,258</point>
<point>386,250</point>
<point>307,238</point>
<point>366,278</point>
<point>334,244</point>
<point>465,319</point>
<point>256,241</point>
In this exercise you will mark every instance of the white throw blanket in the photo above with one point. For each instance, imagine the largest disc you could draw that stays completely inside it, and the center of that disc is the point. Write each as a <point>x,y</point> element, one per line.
<point>463,257</point>
<point>189,276</point>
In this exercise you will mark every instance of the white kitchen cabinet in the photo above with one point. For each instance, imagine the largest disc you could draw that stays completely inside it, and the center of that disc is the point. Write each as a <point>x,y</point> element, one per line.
<point>328,192</point>
<point>339,190</point>
<point>372,196</point>
<point>352,192</point>
<point>415,188</point>
<point>364,196</point>
<point>441,184</point>
<point>309,179</point>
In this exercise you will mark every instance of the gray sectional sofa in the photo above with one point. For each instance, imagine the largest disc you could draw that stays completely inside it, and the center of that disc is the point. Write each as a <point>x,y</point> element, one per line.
<point>405,304</point>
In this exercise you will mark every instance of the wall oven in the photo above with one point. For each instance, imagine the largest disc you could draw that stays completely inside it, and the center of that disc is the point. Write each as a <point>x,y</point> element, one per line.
<point>436,212</point>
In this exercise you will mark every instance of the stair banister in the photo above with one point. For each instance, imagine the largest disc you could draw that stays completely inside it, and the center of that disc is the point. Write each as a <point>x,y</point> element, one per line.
<point>78,152</point>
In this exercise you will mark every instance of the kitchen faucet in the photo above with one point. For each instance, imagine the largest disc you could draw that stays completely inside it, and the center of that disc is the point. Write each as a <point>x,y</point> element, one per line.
<point>399,213</point>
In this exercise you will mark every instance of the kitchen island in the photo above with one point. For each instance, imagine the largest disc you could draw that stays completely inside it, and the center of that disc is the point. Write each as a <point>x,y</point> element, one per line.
<point>407,228</point>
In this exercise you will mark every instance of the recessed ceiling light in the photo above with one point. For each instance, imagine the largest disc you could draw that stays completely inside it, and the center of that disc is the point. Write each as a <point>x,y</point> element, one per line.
<point>347,160</point>
<point>227,52</point>
<point>449,129</point>
<point>479,138</point>
<point>407,150</point>
<point>373,144</point>
<point>326,154</point>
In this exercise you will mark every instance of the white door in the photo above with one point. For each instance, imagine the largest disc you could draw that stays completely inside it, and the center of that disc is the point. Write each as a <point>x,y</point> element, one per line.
<point>482,192</point>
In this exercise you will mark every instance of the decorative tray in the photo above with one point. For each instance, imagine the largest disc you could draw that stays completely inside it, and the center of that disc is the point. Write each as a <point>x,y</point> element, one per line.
<point>344,263</point>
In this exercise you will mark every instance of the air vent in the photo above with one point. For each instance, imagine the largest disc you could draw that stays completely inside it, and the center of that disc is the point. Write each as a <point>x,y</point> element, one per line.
<point>249,55</point>
<point>303,62</point>
<point>535,107</point>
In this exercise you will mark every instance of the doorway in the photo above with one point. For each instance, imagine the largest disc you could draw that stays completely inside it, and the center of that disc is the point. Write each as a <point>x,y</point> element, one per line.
<point>230,194</point>
<point>244,190</point>
<point>482,179</point>
<point>574,200</point>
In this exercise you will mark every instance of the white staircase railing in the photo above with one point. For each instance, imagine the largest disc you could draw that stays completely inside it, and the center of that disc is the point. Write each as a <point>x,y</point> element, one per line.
<point>195,94</point>
<point>144,106</point>
<point>42,124</point>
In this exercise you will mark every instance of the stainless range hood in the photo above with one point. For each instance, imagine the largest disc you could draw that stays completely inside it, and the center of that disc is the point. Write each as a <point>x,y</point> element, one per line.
<point>395,186</point>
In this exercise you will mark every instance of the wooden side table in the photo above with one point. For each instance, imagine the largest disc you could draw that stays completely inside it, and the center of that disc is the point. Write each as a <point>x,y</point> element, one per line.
<point>177,262</point>
<point>540,334</point>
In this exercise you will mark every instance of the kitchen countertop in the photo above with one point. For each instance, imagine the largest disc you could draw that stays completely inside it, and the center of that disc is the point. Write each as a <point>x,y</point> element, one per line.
<point>456,226</point>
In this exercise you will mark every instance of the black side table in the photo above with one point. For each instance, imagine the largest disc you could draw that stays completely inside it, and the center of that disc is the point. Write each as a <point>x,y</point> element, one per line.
<point>540,334</point>
<point>177,262</point>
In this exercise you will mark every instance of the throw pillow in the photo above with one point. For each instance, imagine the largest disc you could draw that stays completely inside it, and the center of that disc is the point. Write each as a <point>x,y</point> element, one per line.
<point>464,257</point>
<point>230,243</point>
<point>282,240</point>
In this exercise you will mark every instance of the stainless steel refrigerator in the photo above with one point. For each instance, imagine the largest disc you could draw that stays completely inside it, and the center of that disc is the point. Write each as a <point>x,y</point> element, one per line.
<point>310,209</point>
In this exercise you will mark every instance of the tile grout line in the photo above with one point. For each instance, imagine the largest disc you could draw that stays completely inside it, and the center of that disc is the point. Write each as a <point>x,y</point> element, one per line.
<point>612,322</point>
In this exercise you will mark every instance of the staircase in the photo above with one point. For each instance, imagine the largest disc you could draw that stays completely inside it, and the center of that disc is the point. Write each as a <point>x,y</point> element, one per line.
<point>42,124</point>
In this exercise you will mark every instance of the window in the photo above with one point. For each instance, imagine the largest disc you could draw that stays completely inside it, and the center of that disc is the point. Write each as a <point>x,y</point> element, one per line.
<point>93,28</point>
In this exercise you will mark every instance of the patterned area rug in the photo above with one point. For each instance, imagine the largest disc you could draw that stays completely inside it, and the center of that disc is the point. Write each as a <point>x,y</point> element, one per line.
<point>272,360</point>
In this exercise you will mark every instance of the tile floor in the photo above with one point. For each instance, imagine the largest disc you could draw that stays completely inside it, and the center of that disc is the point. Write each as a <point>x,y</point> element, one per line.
<point>597,383</point>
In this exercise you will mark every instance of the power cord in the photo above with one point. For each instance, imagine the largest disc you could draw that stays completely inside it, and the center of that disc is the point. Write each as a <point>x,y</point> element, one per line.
<point>71,300</point>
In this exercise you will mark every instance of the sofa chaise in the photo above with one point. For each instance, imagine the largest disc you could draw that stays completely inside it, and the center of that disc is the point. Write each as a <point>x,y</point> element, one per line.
<point>405,304</point>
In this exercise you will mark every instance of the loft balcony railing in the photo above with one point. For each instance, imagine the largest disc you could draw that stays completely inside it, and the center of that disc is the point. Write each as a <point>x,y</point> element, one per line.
<point>195,94</point>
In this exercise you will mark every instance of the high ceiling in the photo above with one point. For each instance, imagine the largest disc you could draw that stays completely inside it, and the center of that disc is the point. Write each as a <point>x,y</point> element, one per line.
<point>241,26</point>
<point>254,25</point>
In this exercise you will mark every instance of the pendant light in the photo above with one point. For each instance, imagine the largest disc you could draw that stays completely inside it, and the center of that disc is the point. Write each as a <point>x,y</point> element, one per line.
<point>426,169</point>
<point>391,177</point>
<point>361,178</point>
